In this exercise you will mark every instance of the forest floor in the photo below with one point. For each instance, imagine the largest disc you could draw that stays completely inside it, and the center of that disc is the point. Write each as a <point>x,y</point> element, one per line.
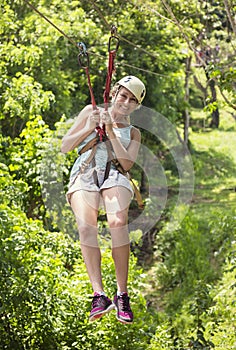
<point>215,180</point>
<point>213,153</point>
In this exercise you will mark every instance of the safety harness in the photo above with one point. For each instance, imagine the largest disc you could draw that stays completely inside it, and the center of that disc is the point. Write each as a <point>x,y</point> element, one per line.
<point>101,133</point>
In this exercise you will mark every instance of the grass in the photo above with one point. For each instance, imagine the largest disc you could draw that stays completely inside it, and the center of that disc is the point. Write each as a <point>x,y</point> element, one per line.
<point>214,157</point>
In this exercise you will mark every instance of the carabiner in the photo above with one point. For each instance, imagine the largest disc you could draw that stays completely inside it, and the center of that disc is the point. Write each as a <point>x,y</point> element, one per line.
<point>113,37</point>
<point>117,40</point>
<point>113,29</point>
<point>83,53</point>
<point>82,47</point>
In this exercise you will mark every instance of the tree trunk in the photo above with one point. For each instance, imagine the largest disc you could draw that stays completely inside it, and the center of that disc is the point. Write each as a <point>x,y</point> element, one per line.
<point>186,99</point>
<point>143,184</point>
<point>215,116</point>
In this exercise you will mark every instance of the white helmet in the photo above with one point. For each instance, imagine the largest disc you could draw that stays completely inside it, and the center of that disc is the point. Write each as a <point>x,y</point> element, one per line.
<point>134,85</point>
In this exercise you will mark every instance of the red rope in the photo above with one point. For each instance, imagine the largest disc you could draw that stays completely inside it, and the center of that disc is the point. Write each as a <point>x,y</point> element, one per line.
<point>90,88</point>
<point>101,131</point>
<point>110,70</point>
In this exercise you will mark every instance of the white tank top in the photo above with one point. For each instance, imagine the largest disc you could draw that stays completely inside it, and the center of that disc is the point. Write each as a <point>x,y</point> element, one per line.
<point>101,156</point>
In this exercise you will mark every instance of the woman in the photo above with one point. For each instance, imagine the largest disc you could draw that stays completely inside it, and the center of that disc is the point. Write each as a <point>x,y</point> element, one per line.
<point>92,180</point>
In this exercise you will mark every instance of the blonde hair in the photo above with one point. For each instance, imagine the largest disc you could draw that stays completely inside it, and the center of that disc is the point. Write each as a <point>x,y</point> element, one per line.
<point>114,90</point>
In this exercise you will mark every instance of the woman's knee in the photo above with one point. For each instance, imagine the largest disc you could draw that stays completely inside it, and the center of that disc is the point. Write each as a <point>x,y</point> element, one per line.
<point>119,237</point>
<point>119,230</point>
<point>88,234</point>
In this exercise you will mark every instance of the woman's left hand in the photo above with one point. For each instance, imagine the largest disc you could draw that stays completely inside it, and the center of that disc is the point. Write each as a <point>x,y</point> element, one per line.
<point>106,119</point>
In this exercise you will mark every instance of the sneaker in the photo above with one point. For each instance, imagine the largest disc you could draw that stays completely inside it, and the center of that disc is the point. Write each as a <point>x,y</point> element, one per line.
<point>124,312</point>
<point>100,305</point>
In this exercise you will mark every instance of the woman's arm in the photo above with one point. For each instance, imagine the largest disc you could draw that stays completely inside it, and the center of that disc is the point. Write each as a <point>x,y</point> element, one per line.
<point>83,126</point>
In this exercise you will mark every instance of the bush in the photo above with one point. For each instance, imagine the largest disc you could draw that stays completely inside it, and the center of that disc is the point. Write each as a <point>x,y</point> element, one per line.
<point>45,298</point>
<point>196,278</point>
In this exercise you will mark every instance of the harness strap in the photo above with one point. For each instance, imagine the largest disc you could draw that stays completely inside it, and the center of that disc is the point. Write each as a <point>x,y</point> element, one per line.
<point>90,88</point>
<point>119,167</point>
<point>89,159</point>
<point>110,70</point>
<point>137,193</point>
<point>111,159</point>
<point>101,132</point>
<point>107,170</point>
<point>95,175</point>
<point>89,145</point>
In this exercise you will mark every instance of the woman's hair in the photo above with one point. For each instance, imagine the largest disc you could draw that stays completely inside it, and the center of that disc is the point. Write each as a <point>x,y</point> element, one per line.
<point>114,90</point>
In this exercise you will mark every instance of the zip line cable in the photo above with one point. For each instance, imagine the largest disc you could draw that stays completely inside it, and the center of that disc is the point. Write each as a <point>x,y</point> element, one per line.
<point>50,22</point>
<point>90,51</point>
<point>144,70</point>
<point>131,66</point>
<point>173,21</point>
<point>70,39</point>
<point>120,37</point>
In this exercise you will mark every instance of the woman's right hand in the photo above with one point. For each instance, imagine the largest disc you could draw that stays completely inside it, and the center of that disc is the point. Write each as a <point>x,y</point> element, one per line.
<point>85,123</point>
<point>93,119</point>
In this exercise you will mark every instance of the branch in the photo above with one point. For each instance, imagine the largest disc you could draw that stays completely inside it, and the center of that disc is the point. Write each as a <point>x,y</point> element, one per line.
<point>100,13</point>
<point>171,13</point>
<point>226,99</point>
<point>152,10</point>
<point>200,86</point>
<point>230,17</point>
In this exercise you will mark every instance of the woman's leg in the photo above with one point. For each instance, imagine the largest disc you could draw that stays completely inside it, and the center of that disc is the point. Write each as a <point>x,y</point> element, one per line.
<point>117,200</point>
<point>85,207</point>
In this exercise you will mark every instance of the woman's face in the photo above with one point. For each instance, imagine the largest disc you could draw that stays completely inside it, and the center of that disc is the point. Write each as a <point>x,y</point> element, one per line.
<point>125,102</point>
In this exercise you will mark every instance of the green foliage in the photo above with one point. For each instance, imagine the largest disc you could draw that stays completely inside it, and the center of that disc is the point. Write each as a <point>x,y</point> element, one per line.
<point>45,292</point>
<point>195,312</point>
<point>40,74</point>
<point>24,156</point>
<point>24,97</point>
<point>224,76</point>
<point>220,327</point>
<point>186,260</point>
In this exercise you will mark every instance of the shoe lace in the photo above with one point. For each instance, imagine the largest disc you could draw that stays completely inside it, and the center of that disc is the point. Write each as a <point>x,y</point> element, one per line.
<point>124,303</point>
<point>96,300</point>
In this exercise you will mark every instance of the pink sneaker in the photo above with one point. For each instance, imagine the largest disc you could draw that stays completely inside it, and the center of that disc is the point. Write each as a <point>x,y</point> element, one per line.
<point>124,312</point>
<point>100,306</point>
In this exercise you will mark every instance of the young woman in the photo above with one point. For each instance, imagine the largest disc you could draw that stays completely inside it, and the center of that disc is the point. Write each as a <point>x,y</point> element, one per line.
<point>95,178</point>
